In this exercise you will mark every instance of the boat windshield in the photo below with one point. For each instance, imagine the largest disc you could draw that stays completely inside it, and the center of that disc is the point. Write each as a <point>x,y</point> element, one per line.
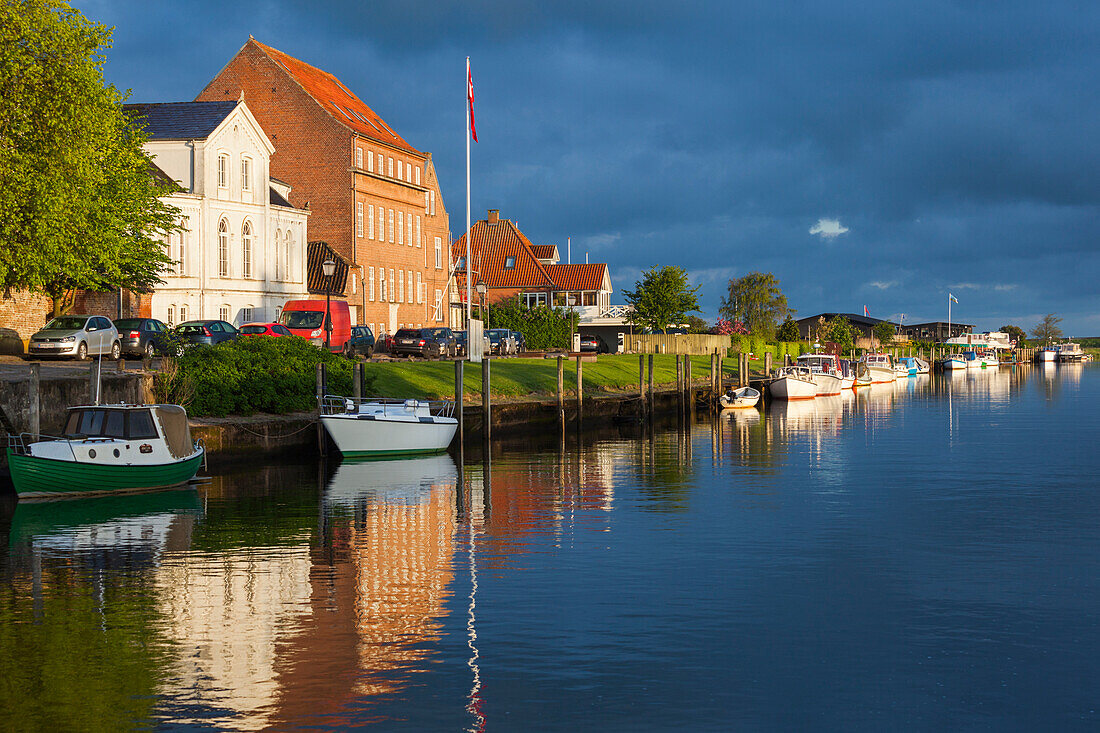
<point>93,422</point>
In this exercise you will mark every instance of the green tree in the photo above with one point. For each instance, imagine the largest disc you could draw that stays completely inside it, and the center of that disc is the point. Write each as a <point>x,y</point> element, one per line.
<point>695,324</point>
<point>543,327</point>
<point>662,297</point>
<point>838,331</point>
<point>1015,333</point>
<point>788,331</point>
<point>1047,330</point>
<point>756,301</point>
<point>884,332</point>
<point>79,208</point>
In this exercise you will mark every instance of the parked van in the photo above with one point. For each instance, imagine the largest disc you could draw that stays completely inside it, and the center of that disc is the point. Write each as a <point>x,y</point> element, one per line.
<point>306,318</point>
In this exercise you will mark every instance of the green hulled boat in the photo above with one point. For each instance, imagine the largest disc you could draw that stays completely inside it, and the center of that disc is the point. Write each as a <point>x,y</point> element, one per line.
<point>107,449</point>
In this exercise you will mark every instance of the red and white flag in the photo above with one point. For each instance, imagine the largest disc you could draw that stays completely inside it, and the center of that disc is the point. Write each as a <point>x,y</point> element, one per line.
<point>470,99</point>
<point>864,307</point>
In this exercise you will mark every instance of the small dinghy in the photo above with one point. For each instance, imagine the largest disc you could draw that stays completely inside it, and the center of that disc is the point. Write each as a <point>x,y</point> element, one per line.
<point>736,398</point>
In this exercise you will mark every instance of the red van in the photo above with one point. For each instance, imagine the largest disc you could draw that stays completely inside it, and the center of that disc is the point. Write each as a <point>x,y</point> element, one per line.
<point>306,318</point>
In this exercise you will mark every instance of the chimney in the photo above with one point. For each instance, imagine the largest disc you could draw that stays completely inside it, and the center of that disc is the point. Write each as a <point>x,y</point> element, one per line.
<point>494,216</point>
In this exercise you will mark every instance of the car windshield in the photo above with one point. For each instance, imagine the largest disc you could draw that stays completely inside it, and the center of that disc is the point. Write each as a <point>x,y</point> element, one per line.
<point>253,329</point>
<point>302,319</point>
<point>69,323</point>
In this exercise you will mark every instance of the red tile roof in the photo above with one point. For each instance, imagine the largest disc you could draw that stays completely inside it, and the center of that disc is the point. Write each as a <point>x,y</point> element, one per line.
<point>491,245</point>
<point>545,251</point>
<point>337,100</point>
<point>578,277</point>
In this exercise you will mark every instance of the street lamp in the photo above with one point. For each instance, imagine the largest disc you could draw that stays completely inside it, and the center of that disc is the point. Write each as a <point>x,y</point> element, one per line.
<point>328,267</point>
<point>480,288</point>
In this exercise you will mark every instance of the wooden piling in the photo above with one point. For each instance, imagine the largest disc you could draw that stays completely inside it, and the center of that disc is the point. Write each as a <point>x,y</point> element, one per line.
<point>680,381</point>
<point>486,400</point>
<point>561,389</point>
<point>35,417</point>
<point>641,376</point>
<point>767,364</point>
<point>460,398</point>
<point>580,390</point>
<point>650,385</point>
<point>322,444</point>
<point>357,381</point>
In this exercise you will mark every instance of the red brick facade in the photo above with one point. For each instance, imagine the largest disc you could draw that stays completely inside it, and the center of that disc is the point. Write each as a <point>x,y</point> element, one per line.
<point>24,312</point>
<point>317,126</point>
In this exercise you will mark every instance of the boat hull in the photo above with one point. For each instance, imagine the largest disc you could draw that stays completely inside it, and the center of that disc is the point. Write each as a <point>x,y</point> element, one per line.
<point>36,477</point>
<point>952,364</point>
<point>357,437</point>
<point>789,388</point>
<point>881,375</point>
<point>828,385</point>
<point>740,399</point>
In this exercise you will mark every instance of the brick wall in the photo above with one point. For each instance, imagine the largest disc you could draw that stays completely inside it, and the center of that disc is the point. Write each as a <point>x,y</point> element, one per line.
<point>23,313</point>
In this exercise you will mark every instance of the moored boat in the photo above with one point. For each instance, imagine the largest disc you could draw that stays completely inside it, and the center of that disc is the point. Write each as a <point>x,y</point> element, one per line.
<point>1070,352</point>
<point>739,398</point>
<point>847,374</point>
<point>381,427</point>
<point>1047,354</point>
<point>880,366</point>
<point>988,358</point>
<point>952,362</point>
<point>825,373</point>
<point>107,449</point>
<point>793,383</point>
<point>862,375</point>
<point>970,358</point>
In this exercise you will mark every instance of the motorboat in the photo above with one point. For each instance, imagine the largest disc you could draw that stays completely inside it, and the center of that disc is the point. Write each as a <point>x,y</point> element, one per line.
<point>825,372</point>
<point>914,365</point>
<point>901,371</point>
<point>862,375</point>
<point>1070,352</point>
<point>970,358</point>
<point>988,358</point>
<point>953,362</point>
<point>1047,354</point>
<point>107,449</point>
<point>881,367</point>
<point>388,427</point>
<point>793,383</point>
<point>739,398</point>
<point>847,374</point>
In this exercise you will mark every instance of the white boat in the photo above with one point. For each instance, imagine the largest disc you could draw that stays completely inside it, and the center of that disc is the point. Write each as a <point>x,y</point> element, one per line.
<point>847,374</point>
<point>862,375</point>
<point>988,358</point>
<point>825,371</point>
<point>1069,352</point>
<point>793,383</point>
<point>880,366</point>
<point>377,427</point>
<point>914,365</point>
<point>739,398</point>
<point>970,358</point>
<point>952,362</point>
<point>1047,354</point>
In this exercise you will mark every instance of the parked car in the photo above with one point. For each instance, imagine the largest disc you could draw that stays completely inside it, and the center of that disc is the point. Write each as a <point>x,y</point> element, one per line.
<point>426,342</point>
<point>500,341</point>
<point>78,337</point>
<point>306,318</point>
<point>205,332</point>
<point>461,345</point>
<point>590,342</point>
<point>361,342</point>
<point>520,341</point>
<point>142,336</point>
<point>264,329</point>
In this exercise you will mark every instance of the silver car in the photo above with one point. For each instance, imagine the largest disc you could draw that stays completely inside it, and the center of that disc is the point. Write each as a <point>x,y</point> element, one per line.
<point>77,337</point>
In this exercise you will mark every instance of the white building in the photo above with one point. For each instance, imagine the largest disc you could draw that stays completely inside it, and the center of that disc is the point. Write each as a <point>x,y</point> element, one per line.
<point>242,253</point>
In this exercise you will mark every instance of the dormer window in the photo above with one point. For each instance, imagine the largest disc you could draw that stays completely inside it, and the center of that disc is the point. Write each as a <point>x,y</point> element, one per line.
<point>509,263</point>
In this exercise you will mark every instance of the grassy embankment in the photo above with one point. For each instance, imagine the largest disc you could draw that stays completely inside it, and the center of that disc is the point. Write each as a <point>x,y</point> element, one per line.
<point>531,378</point>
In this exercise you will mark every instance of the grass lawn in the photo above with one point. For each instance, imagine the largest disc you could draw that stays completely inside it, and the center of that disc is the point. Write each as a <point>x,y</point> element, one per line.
<point>514,378</point>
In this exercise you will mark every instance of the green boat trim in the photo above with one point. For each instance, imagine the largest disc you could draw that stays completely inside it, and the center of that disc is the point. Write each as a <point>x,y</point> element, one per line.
<point>36,477</point>
<point>361,454</point>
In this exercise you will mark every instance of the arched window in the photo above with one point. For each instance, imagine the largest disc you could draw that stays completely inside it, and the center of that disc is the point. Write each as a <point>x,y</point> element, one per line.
<point>278,255</point>
<point>246,250</point>
<point>223,249</point>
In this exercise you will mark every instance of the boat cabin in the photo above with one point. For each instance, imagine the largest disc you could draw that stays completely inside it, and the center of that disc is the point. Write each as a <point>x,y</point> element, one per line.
<point>819,363</point>
<point>132,422</point>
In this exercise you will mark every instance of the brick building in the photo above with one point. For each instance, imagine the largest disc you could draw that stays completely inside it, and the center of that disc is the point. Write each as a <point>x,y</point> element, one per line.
<point>373,197</point>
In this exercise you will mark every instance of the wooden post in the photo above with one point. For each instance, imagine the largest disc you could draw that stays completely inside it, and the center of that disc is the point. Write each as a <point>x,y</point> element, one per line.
<point>767,364</point>
<point>580,391</point>
<point>486,401</point>
<point>460,397</point>
<point>651,384</point>
<point>561,388</point>
<point>322,444</point>
<point>680,381</point>
<point>35,419</point>
<point>641,376</point>
<point>713,389</point>
<point>357,381</point>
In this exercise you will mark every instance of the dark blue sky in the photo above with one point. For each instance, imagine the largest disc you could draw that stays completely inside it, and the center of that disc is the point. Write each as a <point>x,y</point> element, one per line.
<point>876,154</point>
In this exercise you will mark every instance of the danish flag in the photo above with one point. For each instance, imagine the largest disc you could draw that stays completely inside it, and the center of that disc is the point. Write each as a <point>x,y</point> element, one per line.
<point>470,98</point>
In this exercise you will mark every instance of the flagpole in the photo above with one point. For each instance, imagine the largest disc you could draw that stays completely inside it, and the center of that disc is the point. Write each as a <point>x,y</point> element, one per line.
<point>949,317</point>
<point>467,193</point>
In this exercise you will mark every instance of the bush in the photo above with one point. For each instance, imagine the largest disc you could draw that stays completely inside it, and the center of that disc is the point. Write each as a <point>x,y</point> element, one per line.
<point>542,326</point>
<point>259,374</point>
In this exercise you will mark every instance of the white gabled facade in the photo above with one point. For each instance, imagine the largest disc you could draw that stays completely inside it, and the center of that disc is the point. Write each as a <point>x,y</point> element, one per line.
<point>240,256</point>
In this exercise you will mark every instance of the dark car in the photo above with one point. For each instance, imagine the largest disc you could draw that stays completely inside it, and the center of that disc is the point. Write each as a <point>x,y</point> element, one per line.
<point>461,347</point>
<point>593,343</point>
<point>205,332</point>
<point>500,341</point>
<point>520,341</point>
<point>142,336</point>
<point>426,342</point>
<point>360,342</point>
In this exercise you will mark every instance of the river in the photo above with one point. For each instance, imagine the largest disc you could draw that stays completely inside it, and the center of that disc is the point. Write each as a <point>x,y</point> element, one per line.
<point>921,555</point>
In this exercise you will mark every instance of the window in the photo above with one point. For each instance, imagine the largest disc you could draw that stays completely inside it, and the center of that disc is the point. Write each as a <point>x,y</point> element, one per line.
<point>417,227</point>
<point>246,314</point>
<point>533,299</point>
<point>223,314</point>
<point>380,167</point>
<point>278,257</point>
<point>246,174</point>
<point>358,218</point>
<point>223,249</point>
<point>418,175</point>
<point>289,271</point>
<point>171,315</point>
<point>432,196</point>
<point>370,221</point>
<point>370,286</point>
<point>509,263</point>
<point>400,227</point>
<point>410,291</point>
<point>223,171</point>
<point>246,250</point>
<point>439,253</point>
<point>370,162</point>
<point>461,263</point>
<point>589,298</point>
<point>181,267</point>
<point>278,312</point>
<point>381,224</point>
<point>438,305</point>
<point>382,284</point>
<point>391,226</point>
<point>392,286</point>
<point>409,173</point>
<point>390,161</point>
<point>183,313</point>
<point>409,230</point>
<point>353,290</point>
<point>419,289</point>
<point>426,204</point>
<point>359,157</point>
<point>401,286</point>
<point>400,173</point>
